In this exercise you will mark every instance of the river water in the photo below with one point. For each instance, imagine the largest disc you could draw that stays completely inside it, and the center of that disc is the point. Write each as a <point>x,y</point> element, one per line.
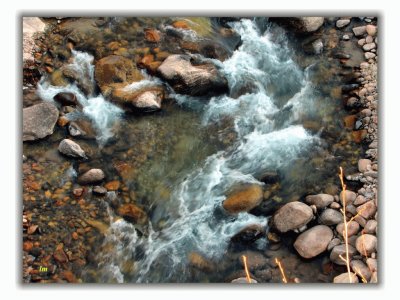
<point>184,160</point>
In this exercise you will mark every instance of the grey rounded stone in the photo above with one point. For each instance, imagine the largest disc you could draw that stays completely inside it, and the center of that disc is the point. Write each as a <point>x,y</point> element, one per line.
<point>291,216</point>
<point>320,200</point>
<point>331,217</point>
<point>313,241</point>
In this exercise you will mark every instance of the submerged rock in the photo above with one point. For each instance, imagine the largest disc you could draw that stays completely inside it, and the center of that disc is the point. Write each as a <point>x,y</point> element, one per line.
<point>249,234</point>
<point>192,78</point>
<point>198,261</point>
<point>132,213</point>
<point>70,148</point>
<point>313,241</point>
<point>244,200</point>
<point>291,216</point>
<point>38,121</point>
<point>115,70</point>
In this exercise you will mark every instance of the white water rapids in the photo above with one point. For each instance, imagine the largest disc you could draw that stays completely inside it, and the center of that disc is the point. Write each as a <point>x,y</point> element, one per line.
<point>197,221</point>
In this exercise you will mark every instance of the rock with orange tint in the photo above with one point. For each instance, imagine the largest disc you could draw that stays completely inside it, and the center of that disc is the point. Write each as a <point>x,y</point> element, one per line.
<point>27,246</point>
<point>112,185</point>
<point>113,45</point>
<point>359,135</point>
<point>62,121</point>
<point>198,261</point>
<point>131,212</point>
<point>152,35</point>
<point>349,121</point>
<point>60,256</point>
<point>69,276</point>
<point>244,200</point>
<point>114,70</point>
<point>181,24</point>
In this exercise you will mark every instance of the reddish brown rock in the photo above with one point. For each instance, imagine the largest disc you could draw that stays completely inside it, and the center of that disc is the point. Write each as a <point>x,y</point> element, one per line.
<point>132,213</point>
<point>152,35</point>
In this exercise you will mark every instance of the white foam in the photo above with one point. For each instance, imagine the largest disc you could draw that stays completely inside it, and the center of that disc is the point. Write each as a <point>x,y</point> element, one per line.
<point>102,113</point>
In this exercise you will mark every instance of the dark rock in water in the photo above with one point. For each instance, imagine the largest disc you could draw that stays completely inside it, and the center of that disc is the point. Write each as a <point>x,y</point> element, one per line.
<point>83,82</point>
<point>82,128</point>
<point>341,55</point>
<point>38,121</point>
<point>99,190</point>
<point>223,21</point>
<point>214,50</point>
<point>269,177</point>
<point>349,87</point>
<point>91,176</point>
<point>66,99</point>
<point>199,262</point>
<point>71,149</point>
<point>192,78</point>
<point>301,24</point>
<point>249,234</point>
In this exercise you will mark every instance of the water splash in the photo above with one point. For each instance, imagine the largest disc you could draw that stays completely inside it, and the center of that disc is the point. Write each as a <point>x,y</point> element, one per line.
<point>102,113</point>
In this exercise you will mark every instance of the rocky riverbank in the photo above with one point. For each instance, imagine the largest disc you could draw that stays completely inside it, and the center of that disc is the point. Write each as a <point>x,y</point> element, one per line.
<point>104,150</point>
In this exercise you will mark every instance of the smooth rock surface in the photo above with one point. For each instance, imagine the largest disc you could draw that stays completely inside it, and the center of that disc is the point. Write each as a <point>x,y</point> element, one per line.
<point>38,121</point>
<point>313,241</point>
<point>366,244</point>
<point>320,200</point>
<point>331,217</point>
<point>291,216</point>
<point>192,79</point>
<point>244,200</point>
<point>70,148</point>
<point>91,176</point>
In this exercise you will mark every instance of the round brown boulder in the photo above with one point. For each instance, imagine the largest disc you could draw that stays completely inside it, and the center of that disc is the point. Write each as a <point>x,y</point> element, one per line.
<point>313,241</point>
<point>291,216</point>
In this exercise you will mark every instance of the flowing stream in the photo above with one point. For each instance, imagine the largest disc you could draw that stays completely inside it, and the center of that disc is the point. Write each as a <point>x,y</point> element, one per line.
<point>270,99</point>
<point>266,139</point>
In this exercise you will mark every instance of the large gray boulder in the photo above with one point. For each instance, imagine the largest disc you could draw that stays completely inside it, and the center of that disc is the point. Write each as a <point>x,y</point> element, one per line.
<point>291,216</point>
<point>192,78</point>
<point>38,121</point>
<point>313,241</point>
